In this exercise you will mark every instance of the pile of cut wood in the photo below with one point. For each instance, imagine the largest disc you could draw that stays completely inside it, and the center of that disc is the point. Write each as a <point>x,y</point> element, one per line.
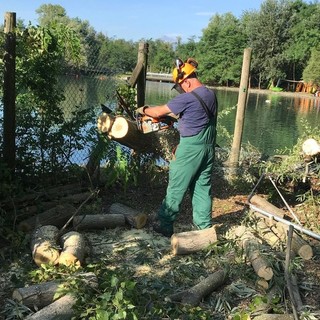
<point>52,243</point>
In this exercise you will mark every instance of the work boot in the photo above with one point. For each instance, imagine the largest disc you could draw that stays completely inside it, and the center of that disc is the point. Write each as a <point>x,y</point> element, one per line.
<point>167,232</point>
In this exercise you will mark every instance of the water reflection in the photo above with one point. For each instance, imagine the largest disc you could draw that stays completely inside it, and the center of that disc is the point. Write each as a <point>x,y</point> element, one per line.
<point>273,121</point>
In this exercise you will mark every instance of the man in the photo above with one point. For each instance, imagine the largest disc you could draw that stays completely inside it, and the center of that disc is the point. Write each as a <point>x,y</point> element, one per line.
<point>191,167</point>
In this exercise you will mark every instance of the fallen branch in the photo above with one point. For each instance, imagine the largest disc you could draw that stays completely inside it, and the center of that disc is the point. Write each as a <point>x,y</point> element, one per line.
<point>194,295</point>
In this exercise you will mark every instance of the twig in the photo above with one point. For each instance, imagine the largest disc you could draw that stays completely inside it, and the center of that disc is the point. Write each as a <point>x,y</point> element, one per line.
<point>78,210</point>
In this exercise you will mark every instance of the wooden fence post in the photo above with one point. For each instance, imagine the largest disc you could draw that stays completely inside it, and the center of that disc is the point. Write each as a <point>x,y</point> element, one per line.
<point>141,83</point>
<point>9,91</point>
<point>242,100</point>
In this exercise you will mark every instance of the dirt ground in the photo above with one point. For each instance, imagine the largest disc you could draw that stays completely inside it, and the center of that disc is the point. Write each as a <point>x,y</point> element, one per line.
<point>229,209</point>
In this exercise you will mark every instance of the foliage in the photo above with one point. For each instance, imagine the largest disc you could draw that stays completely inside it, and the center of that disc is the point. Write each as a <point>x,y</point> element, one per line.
<point>220,51</point>
<point>311,73</point>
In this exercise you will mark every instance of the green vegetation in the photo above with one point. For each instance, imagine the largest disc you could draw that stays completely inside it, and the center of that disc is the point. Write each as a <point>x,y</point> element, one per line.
<point>284,36</point>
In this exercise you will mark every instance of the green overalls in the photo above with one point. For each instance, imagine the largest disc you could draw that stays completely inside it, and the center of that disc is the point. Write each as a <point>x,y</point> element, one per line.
<point>191,170</point>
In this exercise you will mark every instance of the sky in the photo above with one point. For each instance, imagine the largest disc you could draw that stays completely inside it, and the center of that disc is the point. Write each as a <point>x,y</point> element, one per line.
<point>138,19</point>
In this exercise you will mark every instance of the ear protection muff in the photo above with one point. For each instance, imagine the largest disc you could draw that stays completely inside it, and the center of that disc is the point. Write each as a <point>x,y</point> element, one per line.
<point>180,73</point>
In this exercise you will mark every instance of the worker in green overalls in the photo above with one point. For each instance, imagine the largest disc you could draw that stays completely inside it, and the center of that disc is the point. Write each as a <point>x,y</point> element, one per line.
<point>191,168</point>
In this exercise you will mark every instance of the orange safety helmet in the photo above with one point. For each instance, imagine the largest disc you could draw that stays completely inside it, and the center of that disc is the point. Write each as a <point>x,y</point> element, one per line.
<point>183,69</point>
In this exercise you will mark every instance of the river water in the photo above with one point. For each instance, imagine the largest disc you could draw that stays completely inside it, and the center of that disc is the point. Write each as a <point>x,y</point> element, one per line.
<point>273,121</point>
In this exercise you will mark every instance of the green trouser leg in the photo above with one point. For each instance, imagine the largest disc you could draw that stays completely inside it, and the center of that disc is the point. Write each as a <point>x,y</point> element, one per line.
<point>190,170</point>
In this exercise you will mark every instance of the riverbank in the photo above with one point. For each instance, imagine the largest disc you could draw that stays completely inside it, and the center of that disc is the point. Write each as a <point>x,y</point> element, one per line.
<point>270,92</point>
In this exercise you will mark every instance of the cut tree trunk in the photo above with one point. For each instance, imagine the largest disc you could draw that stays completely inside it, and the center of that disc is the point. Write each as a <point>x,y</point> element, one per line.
<point>44,245</point>
<point>60,309</point>
<point>135,218</point>
<point>98,221</point>
<point>56,216</point>
<point>274,232</point>
<point>252,249</point>
<point>42,294</point>
<point>194,295</point>
<point>74,249</point>
<point>267,206</point>
<point>192,241</point>
<point>124,131</point>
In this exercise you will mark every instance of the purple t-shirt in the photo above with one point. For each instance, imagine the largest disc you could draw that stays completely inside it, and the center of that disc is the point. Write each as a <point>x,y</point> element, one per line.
<point>193,117</point>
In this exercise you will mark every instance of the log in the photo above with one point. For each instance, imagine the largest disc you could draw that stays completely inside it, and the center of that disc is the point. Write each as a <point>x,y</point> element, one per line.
<point>274,232</point>
<point>126,132</point>
<point>46,205</point>
<point>194,295</point>
<point>61,309</point>
<point>299,246</point>
<point>192,241</point>
<point>42,294</point>
<point>274,316</point>
<point>135,218</point>
<point>267,206</point>
<point>252,249</point>
<point>44,245</point>
<point>98,221</point>
<point>56,216</point>
<point>74,249</point>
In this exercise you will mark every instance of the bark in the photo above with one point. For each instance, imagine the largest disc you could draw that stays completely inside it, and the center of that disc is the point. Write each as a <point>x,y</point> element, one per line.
<point>98,221</point>
<point>274,317</point>
<point>44,245</point>
<point>60,309</point>
<point>56,216</point>
<point>192,241</point>
<point>267,206</point>
<point>74,249</point>
<point>252,249</point>
<point>42,294</point>
<point>135,218</point>
<point>126,132</point>
<point>194,295</point>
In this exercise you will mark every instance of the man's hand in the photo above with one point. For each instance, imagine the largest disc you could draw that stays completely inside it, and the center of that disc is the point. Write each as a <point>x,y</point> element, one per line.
<point>141,110</point>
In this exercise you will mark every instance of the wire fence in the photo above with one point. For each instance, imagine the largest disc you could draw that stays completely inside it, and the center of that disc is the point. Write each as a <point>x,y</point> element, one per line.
<point>84,90</point>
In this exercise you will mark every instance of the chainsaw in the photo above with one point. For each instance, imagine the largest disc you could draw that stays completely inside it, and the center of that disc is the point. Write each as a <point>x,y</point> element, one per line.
<point>147,124</point>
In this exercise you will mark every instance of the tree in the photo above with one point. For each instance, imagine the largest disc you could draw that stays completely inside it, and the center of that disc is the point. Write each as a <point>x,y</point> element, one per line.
<point>268,33</point>
<point>220,50</point>
<point>312,72</point>
<point>304,36</point>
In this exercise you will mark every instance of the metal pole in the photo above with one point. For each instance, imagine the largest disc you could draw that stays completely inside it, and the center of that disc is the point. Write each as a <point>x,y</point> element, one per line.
<point>295,226</point>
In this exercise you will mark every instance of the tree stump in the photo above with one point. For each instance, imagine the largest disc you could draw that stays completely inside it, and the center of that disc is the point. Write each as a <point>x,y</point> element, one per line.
<point>74,249</point>
<point>135,218</point>
<point>98,221</point>
<point>194,295</point>
<point>44,245</point>
<point>192,241</point>
<point>56,216</point>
